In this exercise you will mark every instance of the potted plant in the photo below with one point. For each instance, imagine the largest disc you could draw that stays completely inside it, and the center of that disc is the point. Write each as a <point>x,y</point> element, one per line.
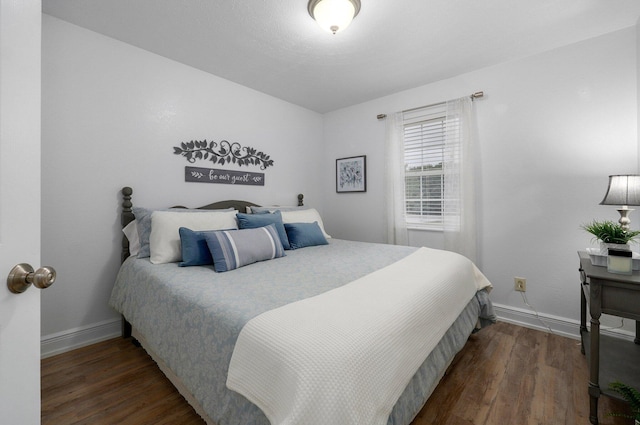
<point>632,396</point>
<point>610,235</point>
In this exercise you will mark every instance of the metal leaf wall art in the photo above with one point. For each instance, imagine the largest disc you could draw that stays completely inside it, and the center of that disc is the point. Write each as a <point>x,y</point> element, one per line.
<point>222,153</point>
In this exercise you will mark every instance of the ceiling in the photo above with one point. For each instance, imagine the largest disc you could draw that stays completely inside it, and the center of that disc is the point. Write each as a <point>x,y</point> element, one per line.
<point>275,47</point>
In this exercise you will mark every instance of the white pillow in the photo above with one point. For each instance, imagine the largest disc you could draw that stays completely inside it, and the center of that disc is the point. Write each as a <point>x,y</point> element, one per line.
<point>304,216</point>
<point>258,210</point>
<point>164,242</point>
<point>131,232</point>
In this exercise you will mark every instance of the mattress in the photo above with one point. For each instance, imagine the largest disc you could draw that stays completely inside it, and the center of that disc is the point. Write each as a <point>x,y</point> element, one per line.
<point>191,317</point>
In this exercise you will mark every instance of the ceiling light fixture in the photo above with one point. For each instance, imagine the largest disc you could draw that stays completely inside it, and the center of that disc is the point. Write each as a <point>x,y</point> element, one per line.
<point>333,15</point>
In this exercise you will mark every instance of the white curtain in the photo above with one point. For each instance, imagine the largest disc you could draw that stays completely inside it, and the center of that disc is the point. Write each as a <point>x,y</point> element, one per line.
<point>394,152</point>
<point>459,194</point>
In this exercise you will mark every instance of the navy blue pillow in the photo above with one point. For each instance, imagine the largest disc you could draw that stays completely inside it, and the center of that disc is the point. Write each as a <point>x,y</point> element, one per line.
<point>195,251</point>
<point>304,234</point>
<point>253,221</point>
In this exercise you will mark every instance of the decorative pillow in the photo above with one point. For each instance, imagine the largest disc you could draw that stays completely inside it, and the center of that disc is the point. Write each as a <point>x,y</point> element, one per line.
<point>253,221</point>
<point>164,241</point>
<point>195,251</point>
<point>231,249</point>
<point>304,216</point>
<point>143,219</point>
<point>262,210</point>
<point>131,232</point>
<point>305,234</point>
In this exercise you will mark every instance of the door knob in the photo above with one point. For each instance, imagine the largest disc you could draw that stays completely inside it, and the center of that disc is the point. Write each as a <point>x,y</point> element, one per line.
<point>22,276</point>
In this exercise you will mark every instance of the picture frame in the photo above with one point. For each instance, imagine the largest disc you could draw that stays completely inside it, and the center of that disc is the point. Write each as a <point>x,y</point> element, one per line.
<point>351,174</point>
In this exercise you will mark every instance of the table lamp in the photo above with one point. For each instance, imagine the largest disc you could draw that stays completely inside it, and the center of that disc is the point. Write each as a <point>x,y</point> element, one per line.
<point>623,190</point>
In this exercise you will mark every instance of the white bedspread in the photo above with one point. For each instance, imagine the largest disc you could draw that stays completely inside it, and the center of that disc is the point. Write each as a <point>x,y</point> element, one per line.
<point>345,356</point>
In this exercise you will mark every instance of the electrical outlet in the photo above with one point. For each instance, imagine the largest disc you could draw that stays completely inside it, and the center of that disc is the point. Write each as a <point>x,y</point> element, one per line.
<point>520,284</point>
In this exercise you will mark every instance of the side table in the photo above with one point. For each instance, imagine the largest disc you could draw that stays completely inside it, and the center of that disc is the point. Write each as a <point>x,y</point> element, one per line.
<point>610,359</point>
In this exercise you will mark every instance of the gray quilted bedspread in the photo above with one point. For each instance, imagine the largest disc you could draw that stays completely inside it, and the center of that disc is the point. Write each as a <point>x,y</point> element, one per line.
<point>191,316</point>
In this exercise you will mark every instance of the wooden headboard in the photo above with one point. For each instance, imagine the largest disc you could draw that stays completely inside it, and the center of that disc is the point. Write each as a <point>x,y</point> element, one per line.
<point>127,216</point>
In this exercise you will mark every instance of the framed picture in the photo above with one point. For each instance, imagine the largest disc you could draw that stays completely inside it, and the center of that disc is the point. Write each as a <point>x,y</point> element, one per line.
<point>351,174</point>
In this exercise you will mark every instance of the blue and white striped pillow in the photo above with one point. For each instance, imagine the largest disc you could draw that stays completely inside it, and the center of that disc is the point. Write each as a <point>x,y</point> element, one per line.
<point>231,249</point>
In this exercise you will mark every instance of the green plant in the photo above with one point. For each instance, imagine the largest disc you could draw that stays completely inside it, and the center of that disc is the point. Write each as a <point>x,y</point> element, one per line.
<point>610,232</point>
<point>631,395</point>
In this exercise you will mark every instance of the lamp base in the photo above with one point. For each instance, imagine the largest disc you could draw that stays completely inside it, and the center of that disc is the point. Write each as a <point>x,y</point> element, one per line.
<point>624,221</point>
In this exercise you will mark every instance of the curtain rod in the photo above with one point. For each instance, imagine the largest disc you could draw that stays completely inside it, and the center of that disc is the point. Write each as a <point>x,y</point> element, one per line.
<point>473,96</point>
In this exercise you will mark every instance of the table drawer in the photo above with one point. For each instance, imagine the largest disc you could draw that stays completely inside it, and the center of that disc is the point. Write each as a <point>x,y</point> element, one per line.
<point>621,302</point>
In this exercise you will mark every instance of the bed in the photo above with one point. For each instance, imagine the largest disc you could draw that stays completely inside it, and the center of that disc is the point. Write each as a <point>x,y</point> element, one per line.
<point>209,330</point>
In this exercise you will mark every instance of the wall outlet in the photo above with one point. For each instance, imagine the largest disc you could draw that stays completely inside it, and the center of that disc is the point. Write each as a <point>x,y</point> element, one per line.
<point>520,284</point>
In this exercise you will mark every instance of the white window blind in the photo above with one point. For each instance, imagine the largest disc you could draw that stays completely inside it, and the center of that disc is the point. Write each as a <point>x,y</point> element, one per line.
<point>424,156</point>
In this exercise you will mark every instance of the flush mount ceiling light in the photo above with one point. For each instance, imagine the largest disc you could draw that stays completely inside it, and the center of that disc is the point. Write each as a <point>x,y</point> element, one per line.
<point>333,15</point>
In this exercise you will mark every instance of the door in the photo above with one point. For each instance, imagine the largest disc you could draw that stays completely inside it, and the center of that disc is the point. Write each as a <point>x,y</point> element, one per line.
<point>20,31</point>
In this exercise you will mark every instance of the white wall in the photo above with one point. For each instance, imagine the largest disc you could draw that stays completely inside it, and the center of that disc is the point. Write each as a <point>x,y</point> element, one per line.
<point>552,127</point>
<point>111,114</point>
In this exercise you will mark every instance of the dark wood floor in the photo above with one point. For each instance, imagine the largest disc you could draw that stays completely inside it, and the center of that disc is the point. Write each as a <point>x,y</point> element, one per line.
<point>505,375</point>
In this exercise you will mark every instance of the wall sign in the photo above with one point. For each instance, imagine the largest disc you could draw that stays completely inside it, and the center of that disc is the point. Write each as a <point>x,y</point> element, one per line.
<point>223,153</point>
<point>211,175</point>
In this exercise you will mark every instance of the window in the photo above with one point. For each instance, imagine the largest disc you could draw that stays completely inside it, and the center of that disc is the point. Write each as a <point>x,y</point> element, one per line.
<point>430,174</point>
<point>424,156</point>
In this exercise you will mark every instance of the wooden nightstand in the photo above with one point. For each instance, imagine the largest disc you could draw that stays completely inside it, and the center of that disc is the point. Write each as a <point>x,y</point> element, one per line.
<point>610,359</point>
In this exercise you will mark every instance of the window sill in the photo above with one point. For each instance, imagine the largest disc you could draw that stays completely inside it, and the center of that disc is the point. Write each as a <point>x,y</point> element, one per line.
<point>425,228</point>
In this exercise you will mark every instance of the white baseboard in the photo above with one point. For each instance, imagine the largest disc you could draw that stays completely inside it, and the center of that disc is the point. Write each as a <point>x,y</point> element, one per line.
<point>61,342</point>
<point>545,323</point>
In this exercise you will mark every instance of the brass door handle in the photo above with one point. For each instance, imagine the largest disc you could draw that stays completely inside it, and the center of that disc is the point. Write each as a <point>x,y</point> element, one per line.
<point>22,276</point>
